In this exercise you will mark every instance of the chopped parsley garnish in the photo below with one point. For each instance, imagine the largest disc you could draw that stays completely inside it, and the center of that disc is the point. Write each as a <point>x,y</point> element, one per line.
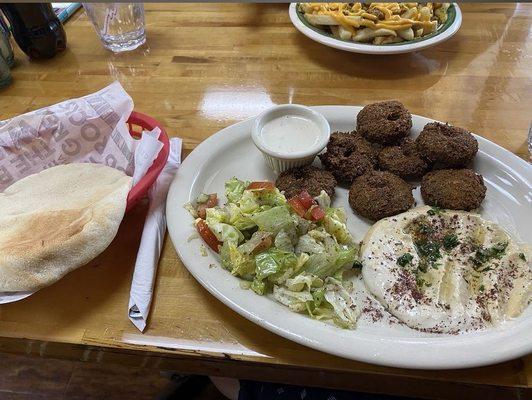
<point>423,266</point>
<point>405,259</point>
<point>434,211</point>
<point>428,249</point>
<point>429,252</point>
<point>357,264</point>
<point>483,255</point>
<point>425,229</point>
<point>420,282</point>
<point>481,288</point>
<point>450,241</point>
<point>522,256</point>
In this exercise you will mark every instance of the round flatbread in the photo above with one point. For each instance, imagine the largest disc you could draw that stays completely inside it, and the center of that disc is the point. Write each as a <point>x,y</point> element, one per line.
<point>57,220</point>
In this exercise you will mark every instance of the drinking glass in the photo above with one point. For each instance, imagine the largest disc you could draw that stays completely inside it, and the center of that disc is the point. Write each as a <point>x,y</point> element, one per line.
<point>120,26</point>
<point>6,50</point>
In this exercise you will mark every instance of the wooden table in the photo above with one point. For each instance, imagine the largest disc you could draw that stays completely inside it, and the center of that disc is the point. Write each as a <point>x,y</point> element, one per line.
<point>205,67</point>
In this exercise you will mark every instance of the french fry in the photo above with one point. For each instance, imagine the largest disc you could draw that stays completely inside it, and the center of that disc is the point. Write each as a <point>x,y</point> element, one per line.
<point>429,27</point>
<point>366,34</point>
<point>406,34</point>
<point>335,31</point>
<point>340,32</point>
<point>318,19</point>
<point>344,33</point>
<point>387,40</point>
<point>441,12</point>
<point>378,23</point>
<point>409,13</point>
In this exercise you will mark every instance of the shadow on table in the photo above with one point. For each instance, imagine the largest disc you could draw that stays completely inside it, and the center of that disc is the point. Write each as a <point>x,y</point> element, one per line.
<point>380,67</point>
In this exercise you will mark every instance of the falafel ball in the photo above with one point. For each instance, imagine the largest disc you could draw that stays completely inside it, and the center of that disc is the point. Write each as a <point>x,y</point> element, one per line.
<point>386,122</point>
<point>456,189</point>
<point>309,178</point>
<point>380,194</point>
<point>447,145</point>
<point>403,160</point>
<point>348,155</point>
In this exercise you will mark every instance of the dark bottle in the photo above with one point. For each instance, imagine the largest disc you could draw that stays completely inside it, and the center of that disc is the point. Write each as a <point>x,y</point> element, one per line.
<point>36,28</point>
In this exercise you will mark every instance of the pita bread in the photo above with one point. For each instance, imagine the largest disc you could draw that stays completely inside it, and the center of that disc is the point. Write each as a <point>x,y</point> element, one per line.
<point>57,220</point>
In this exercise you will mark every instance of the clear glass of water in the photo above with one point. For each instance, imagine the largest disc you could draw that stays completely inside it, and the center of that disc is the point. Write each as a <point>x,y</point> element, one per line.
<point>6,50</point>
<point>120,26</point>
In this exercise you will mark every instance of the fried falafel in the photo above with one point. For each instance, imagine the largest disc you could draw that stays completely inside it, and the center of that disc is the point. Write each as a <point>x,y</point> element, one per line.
<point>380,194</point>
<point>403,160</point>
<point>456,189</point>
<point>385,122</point>
<point>348,155</point>
<point>309,178</point>
<point>446,145</point>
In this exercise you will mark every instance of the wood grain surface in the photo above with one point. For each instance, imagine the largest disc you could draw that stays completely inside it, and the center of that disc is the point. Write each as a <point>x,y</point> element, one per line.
<point>204,67</point>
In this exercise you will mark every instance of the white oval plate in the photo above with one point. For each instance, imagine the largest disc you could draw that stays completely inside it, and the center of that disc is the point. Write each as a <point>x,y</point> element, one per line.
<point>231,152</point>
<point>355,47</point>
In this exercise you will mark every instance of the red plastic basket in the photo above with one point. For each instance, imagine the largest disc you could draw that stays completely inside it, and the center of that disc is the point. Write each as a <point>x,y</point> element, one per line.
<point>138,122</point>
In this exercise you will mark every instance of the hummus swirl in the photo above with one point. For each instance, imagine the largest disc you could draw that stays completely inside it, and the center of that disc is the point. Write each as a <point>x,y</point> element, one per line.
<point>446,271</point>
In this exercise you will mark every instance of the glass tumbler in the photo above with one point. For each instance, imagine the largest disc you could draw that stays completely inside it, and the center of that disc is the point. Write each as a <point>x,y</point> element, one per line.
<point>120,26</point>
<point>6,50</point>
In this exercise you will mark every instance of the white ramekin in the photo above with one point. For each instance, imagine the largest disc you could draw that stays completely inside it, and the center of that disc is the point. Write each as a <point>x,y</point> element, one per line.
<point>280,162</point>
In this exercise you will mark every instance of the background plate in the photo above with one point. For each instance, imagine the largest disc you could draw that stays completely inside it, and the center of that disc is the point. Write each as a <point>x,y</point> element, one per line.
<point>324,37</point>
<point>231,152</point>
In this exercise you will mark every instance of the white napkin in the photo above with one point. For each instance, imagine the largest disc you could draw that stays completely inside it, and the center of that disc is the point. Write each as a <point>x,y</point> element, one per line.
<point>146,152</point>
<point>151,242</point>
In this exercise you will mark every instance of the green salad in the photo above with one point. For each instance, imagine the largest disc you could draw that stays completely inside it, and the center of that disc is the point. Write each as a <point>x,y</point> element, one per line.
<point>297,250</point>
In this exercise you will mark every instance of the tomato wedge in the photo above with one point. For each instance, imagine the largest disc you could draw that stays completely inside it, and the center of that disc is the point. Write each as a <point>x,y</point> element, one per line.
<point>306,199</point>
<point>211,202</point>
<point>316,213</point>
<point>207,235</point>
<point>296,205</point>
<point>264,244</point>
<point>261,185</point>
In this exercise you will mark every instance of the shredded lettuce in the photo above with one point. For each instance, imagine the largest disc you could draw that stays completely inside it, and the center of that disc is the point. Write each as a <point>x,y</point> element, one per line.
<point>335,224</point>
<point>271,198</point>
<point>323,199</point>
<point>274,220</point>
<point>302,225</point>
<point>226,233</point>
<point>237,218</point>
<point>283,241</point>
<point>255,242</point>
<point>218,221</point>
<point>216,215</point>
<point>234,188</point>
<point>236,262</point>
<point>296,301</point>
<point>273,261</point>
<point>191,209</point>
<point>275,251</point>
<point>307,244</point>
<point>299,282</point>
<point>329,263</point>
<point>345,310</point>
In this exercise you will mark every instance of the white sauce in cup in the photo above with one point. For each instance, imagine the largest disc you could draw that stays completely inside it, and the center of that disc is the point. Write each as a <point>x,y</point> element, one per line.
<point>290,133</point>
